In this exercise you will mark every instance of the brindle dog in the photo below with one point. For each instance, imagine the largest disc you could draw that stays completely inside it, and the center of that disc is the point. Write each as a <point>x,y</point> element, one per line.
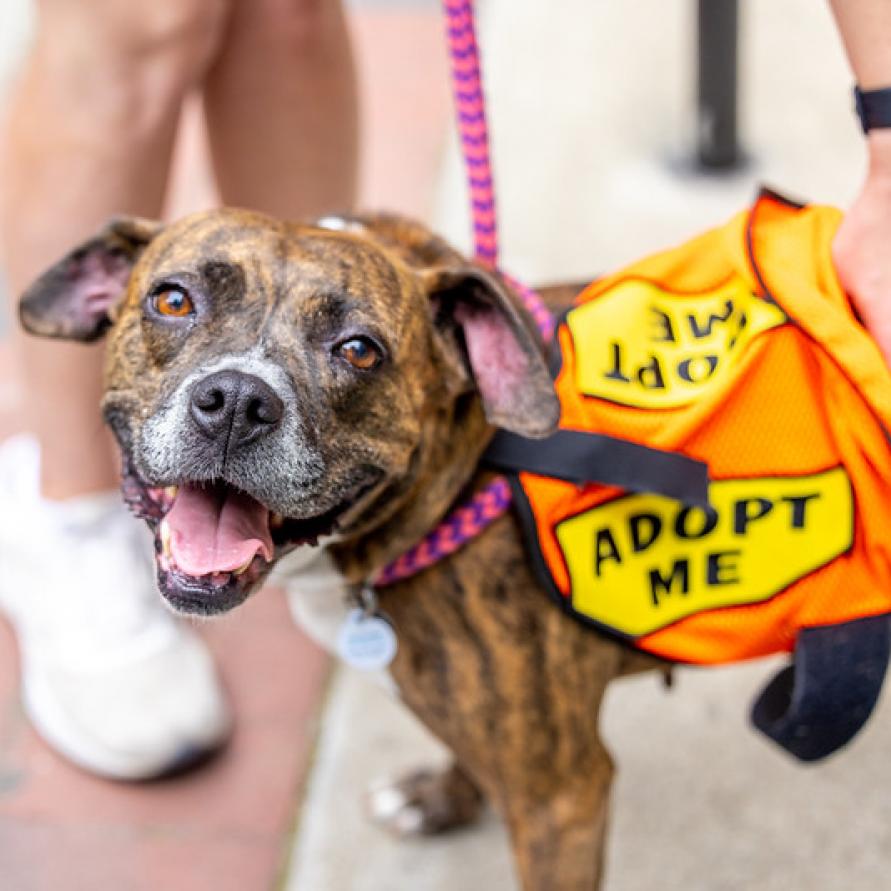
<point>270,384</point>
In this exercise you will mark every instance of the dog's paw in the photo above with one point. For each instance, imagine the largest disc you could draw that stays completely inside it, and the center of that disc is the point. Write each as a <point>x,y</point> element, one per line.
<point>425,802</point>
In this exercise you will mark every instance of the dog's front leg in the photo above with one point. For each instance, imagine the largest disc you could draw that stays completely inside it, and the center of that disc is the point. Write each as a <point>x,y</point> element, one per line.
<point>513,687</point>
<point>558,838</point>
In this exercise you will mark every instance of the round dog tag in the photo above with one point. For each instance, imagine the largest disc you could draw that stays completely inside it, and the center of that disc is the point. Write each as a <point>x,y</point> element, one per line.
<point>367,642</point>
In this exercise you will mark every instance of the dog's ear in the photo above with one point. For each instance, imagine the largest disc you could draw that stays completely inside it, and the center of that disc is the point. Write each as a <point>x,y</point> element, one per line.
<point>76,298</point>
<point>503,349</point>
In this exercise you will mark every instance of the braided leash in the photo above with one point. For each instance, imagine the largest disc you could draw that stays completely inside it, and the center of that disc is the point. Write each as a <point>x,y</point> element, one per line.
<point>493,500</point>
<point>470,111</point>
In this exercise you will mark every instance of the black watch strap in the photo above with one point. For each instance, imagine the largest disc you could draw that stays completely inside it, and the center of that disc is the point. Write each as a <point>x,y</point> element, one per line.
<point>873,108</point>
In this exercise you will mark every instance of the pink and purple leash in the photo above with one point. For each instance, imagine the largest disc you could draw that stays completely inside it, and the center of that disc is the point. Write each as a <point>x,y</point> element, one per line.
<point>493,500</point>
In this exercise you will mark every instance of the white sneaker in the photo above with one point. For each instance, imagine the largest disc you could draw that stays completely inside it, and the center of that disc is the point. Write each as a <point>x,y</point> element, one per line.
<point>109,678</point>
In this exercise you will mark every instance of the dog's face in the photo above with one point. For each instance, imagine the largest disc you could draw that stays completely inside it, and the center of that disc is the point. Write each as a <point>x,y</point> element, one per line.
<point>273,384</point>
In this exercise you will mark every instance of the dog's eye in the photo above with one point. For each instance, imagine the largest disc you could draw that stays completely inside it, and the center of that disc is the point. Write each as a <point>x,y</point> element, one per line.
<point>362,354</point>
<point>174,302</point>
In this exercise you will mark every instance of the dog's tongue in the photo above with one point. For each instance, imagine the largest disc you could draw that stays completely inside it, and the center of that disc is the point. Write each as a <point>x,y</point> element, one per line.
<point>217,529</point>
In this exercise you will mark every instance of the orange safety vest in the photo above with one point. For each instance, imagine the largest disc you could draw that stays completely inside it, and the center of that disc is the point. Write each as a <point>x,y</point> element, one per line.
<point>739,350</point>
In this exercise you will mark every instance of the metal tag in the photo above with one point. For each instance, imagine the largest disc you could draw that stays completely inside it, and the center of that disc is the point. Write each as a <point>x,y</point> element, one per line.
<point>366,641</point>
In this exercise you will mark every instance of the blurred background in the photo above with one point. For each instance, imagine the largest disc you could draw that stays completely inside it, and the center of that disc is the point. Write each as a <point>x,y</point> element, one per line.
<point>592,106</point>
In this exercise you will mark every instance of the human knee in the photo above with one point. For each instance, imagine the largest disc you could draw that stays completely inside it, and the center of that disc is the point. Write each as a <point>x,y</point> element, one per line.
<point>156,48</point>
<point>300,25</point>
<point>174,40</point>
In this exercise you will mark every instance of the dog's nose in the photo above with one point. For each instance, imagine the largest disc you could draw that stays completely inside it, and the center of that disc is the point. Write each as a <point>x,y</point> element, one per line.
<point>235,407</point>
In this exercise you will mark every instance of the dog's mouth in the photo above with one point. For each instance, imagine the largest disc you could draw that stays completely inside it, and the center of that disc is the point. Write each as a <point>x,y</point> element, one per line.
<point>214,543</point>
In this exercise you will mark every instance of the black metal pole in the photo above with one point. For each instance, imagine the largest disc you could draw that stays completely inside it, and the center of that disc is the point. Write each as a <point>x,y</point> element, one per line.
<point>718,21</point>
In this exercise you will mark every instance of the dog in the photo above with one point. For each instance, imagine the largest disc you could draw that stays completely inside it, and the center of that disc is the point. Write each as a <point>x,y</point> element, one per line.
<point>275,387</point>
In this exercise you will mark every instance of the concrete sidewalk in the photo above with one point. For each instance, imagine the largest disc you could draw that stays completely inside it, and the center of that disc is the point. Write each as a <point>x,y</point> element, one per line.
<point>700,804</point>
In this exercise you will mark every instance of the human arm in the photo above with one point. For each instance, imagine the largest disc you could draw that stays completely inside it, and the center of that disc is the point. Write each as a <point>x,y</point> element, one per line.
<point>862,246</point>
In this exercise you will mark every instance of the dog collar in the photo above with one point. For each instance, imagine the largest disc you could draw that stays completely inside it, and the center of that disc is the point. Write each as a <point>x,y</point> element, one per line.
<point>462,524</point>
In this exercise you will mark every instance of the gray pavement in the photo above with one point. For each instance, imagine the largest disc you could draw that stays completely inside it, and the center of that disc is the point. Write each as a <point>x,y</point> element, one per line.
<point>701,803</point>
<point>367,735</point>
<point>591,112</point>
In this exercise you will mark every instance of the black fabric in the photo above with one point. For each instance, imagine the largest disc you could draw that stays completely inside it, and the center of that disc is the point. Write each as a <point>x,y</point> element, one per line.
<point>581,458</point>
<point>819,703</point>
<point>873,108</point>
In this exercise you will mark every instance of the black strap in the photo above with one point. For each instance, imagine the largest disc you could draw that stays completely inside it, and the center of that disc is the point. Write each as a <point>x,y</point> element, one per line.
<point>582,458</point>
<point>873,108</point>
<point>817,704</point>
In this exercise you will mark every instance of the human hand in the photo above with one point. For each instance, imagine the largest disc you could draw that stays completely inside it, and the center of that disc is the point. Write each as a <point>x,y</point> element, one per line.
<point>862,246</point>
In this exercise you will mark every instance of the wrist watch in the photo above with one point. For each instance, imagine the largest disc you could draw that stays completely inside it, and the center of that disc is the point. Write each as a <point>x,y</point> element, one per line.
<point>873,108</point>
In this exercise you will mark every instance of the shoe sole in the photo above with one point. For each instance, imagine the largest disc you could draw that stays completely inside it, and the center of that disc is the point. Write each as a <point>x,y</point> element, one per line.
<point>52,724</point>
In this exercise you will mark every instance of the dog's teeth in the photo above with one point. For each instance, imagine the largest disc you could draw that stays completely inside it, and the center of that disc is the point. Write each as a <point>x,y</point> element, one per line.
<point>171,491</point>
<point>276,521</point>
<point>243,569</point>
<point>164,530</point>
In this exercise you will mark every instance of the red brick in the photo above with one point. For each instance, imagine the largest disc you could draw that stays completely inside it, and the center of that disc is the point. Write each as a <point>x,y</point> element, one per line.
<point>235,813</point>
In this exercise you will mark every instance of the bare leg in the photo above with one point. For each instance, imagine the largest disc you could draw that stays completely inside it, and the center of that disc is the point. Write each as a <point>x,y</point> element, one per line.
<point>281,108</point>
<point>90,134</point>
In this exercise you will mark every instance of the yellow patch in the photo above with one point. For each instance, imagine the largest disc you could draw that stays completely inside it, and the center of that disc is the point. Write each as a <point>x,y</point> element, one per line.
<point>641,562</point>
<point>646,347</point>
